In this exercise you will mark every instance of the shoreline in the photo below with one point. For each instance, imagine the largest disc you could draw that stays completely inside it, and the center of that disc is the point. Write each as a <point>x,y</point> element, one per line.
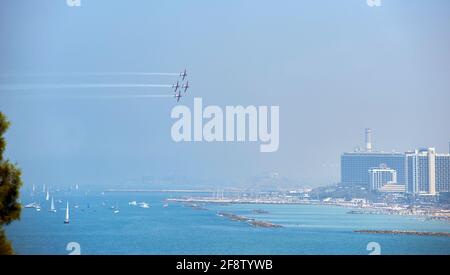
<point>354,208</point>
<point>404,232</point>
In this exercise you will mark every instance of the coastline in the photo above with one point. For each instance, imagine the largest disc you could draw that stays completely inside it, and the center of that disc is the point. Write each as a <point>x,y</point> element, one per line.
<point>404,232</point>
<point>429,213</point>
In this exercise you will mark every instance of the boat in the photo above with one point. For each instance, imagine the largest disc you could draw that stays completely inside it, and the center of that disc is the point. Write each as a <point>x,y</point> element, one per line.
<point>52,207</point>
<point>48,196</point>
<point>66,220</point>
<point>116,209</point>
<point>31,205</point>
<point>133,203</point>
<point>166,205</point>
<point>144,205</point>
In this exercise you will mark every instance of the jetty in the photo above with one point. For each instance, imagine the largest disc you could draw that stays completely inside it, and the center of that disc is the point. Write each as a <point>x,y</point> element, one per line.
<point>250,221</point>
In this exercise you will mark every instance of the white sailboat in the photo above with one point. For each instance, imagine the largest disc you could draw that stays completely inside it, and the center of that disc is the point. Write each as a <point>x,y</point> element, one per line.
<point>52,206</point>
<point>31,205</point>
<point>48,196</point>
<point>116,209</point>
<point>144,205</point>
<point>66,220</point>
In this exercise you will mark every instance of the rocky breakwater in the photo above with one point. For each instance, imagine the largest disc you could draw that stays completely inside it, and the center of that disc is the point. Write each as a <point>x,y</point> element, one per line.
<point>250,221</point>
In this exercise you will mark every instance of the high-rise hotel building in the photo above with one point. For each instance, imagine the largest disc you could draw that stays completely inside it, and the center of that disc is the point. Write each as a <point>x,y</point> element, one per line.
<point>421,172</point>
<point>428,173</point>
<point>355,166</point>
<point>443,172</point>
<point>384,179</point>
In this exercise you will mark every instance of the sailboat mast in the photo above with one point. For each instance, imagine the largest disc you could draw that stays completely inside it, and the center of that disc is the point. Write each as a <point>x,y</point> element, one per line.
<point>52,206</point>
<point>67,213</point>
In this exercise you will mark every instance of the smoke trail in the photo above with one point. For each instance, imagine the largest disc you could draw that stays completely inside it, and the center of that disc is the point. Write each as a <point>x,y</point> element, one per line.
<point>97,96</point>
<point>132,96</point>
<point>116,96</point>
<point>72,74</point>
<point>132,74</point>
<point>80,86</point>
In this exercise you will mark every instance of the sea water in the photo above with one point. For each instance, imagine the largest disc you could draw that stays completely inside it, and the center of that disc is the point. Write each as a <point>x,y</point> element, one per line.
<point>180,229</point>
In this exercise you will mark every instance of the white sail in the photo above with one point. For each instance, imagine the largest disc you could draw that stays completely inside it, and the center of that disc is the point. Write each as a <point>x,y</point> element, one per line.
<point>48,196</point>
<point>52,206</point>
<point>67,214</point>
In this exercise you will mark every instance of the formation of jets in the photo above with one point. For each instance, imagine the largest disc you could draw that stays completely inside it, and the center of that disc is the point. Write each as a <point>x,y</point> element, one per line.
<point>177,88</point>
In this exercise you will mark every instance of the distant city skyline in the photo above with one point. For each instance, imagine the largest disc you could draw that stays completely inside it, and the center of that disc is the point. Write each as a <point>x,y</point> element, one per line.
<point>421,171</point>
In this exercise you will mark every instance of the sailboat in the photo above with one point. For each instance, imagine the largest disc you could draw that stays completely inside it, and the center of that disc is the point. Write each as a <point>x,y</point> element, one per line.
<point>38,207</point>
<point>144,204</point>
<point>31,205</point>
<point>48,196</point>
<point>116,209</point>
<point>52,206</point>
<point>66,220</point>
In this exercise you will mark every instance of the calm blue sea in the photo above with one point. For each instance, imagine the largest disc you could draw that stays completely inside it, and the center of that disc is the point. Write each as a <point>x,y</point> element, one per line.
<point>179,229</point>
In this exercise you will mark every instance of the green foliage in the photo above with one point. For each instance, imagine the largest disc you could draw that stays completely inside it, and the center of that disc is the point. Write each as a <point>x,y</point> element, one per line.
<point>4,125</point>
<point>10,183</point>
<point>5,245</point>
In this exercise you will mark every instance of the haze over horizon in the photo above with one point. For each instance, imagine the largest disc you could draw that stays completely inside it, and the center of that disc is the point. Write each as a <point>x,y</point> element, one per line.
<point>333,67</point>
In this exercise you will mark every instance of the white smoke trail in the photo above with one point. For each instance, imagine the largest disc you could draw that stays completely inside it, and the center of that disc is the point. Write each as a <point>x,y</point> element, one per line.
<point>72,74</point>
<point>80,86</point>
<point>131,96</point>
<point>115,96</point>
<point>132,74</point>
<point>97,96</point>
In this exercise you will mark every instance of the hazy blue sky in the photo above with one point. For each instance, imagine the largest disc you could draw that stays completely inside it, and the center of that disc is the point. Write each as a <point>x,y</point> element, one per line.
<point>333,67</point>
